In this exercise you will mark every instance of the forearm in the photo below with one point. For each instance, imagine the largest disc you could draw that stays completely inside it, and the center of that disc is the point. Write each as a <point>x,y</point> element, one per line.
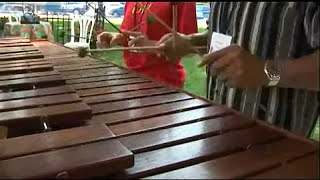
<point>199,39</point>
<point>301,73</point>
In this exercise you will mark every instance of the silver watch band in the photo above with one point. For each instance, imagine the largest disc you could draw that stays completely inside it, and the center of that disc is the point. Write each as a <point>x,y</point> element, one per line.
<point>272,70</point>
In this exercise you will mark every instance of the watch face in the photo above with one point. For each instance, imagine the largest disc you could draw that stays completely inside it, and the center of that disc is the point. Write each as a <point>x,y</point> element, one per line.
<point>272,68</point>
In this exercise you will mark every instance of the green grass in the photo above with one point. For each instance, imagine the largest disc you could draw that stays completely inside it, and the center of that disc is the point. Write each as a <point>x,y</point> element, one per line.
<point>196,77</point>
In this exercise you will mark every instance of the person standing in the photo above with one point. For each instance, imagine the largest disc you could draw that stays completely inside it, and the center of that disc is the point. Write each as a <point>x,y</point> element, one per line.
<point>271,68</point>
<point>147,31</point>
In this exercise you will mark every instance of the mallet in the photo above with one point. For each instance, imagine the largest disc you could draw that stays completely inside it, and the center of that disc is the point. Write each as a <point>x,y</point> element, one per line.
<point>82,52</point>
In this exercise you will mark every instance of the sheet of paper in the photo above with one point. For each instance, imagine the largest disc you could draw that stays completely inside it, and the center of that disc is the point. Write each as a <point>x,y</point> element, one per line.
<point>219,41</point>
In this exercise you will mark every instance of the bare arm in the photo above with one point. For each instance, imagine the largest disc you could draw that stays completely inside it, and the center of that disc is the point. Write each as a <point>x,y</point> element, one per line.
<point>199,39</point>
<point>184,44</point>
<point>301,73</point>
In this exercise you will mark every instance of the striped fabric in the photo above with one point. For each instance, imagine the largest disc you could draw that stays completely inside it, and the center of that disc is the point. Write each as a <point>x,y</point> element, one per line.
<point>275,31</point>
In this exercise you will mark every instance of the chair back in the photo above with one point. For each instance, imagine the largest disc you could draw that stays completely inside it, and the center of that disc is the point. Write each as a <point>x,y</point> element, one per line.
<point>14,18</point>
<point>86,24</point>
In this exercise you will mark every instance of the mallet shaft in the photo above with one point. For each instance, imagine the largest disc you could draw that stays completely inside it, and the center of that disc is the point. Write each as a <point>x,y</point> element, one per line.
<point>174,21</point>
<point>124,49</point>
<point>136,48</point>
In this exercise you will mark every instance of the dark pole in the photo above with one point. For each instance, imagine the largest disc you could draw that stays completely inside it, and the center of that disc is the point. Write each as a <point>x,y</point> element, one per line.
<point>100,7</point>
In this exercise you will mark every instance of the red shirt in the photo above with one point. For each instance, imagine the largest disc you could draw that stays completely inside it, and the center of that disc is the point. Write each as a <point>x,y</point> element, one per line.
<point>150,64</point>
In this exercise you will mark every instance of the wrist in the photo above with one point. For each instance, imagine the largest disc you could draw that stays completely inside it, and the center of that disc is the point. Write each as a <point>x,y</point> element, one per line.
<point>190,38</point>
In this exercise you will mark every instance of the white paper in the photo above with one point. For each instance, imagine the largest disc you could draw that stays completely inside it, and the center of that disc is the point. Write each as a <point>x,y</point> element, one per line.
<point>219,41</point>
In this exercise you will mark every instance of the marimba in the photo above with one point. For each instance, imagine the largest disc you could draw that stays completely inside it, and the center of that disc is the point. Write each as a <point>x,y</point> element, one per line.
<point>71,117</point>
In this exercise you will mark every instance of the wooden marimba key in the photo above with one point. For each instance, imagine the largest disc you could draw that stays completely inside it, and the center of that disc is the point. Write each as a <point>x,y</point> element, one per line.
<point>46,119</point>
<point>171,133</point>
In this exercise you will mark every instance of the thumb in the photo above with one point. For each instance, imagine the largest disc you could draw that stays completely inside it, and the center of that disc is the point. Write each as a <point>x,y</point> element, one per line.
<point>164,38</point>
<point>135,40</point>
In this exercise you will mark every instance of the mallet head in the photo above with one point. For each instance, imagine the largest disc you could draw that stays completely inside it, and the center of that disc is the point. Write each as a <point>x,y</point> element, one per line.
<point>82,52</point>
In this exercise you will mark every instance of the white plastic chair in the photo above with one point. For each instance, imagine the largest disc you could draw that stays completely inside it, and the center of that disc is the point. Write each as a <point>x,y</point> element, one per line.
<point>14,18</point>
<point>86,26</point>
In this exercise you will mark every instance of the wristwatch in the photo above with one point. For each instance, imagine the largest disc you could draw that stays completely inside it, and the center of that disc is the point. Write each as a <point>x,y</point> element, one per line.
<point>272,69</point>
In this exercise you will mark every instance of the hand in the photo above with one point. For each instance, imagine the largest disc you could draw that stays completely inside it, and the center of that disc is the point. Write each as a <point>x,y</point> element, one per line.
<point>103,39</point>
<point>118,39</point>
<point>236,66</point>
<point>182,47</point>
<point>138,39</point>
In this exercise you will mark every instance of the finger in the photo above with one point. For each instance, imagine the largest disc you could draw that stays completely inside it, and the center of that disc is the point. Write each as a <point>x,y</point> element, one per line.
<point>230,84</point>
<point>213,72</point>
<point>117,39</point>
<point>136,41</point>
<point>167,45</point>
<point>221,63</point>
<point>132,33</point>
<point>164,39</point>
<point>231,76</point>
<point>222,77</point>
<point>210,58</point>
<point>229,72</point>
<point>160,52</point>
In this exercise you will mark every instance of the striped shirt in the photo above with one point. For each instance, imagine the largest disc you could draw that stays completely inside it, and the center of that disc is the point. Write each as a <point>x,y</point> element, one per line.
<point>273,31</point>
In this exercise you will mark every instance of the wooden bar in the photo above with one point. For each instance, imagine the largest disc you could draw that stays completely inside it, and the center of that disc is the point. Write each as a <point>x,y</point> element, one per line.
<point>56,114</point>
<point>80,64</point>
<point>148,112</point>
<point>19,56</point>
<point>3,132</point>
<point>101,78</point>
<point>81,73</point>
<point>55,49</point>
<point>138,103</point>
<point>15,64</point>
<point>185,133</point>
<point>158,161</point>
<point>166,120</point>
<point>95,74</point>
<point>37,101</point>
<point>117,89</point>
<point>36,93</point>
<point>96,158</point>
<point>17,49</point>
<point>28,75</point>
<point>126,95</point>
<point>70,60</point>
<point>14,45</point>
<point>304,168</point>
<point>20,146</point>
<point>11,41</point>
<point>45,81</point>
<point>109,83</point>
<point>23,61</point>
<point>84,67</point>
<point>255,160</point>
<point>26,69</point>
